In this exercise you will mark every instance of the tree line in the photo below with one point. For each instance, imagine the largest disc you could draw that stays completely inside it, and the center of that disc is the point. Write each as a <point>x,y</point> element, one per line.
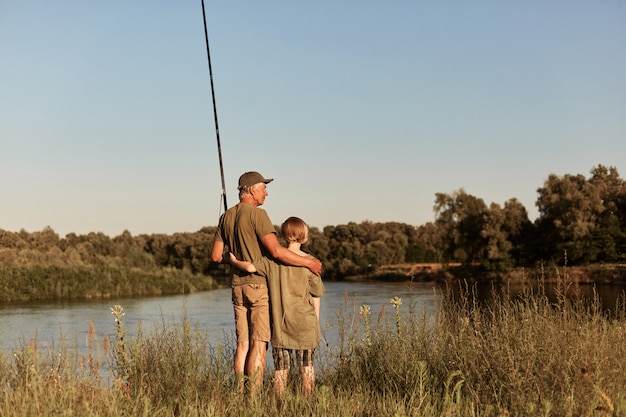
<point>581,221</point>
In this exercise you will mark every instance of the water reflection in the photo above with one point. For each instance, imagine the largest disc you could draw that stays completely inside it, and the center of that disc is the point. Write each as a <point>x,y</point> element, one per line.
<point>610,297</point>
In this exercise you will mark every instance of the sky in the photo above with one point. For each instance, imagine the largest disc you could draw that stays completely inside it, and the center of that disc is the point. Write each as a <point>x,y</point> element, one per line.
<point>359,110</point>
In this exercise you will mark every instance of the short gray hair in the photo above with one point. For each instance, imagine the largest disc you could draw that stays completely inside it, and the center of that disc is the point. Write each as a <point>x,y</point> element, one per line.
<point>247,189</point>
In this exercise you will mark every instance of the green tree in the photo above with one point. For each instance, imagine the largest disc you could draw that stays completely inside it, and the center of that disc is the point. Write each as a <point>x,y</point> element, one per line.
<point>582,218</point>
<point>45,239</point>
<point>503,231</point>
<point>607,241</point>
<point>461,217</point>
<point>12,240</point>
<point>347,246</point>
<point>518,228</point>
<point>426,244</point>
<point>318,246</point>
<point>496,238</point>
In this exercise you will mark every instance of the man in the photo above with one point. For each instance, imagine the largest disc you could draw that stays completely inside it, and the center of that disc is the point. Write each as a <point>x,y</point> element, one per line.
<point>248,232</point>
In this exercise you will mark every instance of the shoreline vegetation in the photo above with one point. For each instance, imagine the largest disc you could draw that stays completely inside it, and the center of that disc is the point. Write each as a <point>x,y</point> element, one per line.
<point>517,356</point>
<point>24,283</point>
<point>51,283</point>
<point>436,272</point>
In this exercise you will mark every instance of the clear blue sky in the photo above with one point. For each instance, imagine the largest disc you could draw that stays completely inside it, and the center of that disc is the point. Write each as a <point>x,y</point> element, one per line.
<point>360,110</point>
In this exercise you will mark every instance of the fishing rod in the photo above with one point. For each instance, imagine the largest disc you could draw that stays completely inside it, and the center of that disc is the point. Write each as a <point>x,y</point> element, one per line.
<point>217,129</point>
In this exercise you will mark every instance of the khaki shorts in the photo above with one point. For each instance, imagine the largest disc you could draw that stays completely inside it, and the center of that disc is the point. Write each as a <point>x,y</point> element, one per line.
<point>252,312</point>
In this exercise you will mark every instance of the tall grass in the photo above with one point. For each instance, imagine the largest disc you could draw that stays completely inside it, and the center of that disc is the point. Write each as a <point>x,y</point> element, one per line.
<point>527,356</point>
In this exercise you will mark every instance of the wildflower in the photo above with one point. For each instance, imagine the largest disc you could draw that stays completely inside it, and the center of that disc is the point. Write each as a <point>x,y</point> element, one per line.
<point>364,310</point>
<point>122,360</point>
<point>396,301</point>
<point>118,311</point>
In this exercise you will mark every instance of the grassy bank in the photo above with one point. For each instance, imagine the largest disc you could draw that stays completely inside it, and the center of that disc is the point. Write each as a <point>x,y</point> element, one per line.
<point>522,357</point>
<point>427,272</point>
<point>32,282</point>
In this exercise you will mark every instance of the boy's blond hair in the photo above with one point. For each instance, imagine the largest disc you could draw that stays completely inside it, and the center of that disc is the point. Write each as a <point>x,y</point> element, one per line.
<point>294,229</point>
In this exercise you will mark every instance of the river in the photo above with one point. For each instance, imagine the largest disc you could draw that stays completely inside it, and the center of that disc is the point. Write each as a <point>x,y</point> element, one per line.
<point>50,322</point>
<point>69,321</point>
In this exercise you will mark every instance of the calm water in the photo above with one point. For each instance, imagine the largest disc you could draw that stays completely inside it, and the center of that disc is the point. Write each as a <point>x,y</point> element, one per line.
<point>211,311</point>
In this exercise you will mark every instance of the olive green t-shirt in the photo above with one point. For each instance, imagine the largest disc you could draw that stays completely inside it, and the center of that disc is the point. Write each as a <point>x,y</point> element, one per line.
<point>241,228</point>
<point>294,322</point>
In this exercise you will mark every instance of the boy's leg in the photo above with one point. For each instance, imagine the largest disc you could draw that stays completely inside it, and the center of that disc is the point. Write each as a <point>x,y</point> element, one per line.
<point>280,382</point>
<point>308,380</point>
<point>282,362</point>
<point>305,361</point>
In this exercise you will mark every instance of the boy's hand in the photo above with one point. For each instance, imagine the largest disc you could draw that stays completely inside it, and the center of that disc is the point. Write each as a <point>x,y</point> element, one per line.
<point>226,257</point>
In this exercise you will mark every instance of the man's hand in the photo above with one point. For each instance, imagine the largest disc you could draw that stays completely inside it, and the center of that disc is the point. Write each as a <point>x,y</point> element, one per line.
<point>316,267</point>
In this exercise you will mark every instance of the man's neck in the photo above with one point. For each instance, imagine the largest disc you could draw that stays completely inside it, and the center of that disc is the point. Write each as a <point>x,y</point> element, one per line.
<point>248,200</point>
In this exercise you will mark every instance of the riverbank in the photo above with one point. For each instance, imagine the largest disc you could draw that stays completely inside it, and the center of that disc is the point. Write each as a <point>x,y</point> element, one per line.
<point>46,282</point>
<point>437,272</point>
<point>31,282</point>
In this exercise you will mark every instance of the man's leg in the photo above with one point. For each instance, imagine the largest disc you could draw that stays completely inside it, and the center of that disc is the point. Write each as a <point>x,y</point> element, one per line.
<point>258,299</point>
<point>242,329</point>
<point>255,362</point>
<point>240,356</point>
<point>239,364</point>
